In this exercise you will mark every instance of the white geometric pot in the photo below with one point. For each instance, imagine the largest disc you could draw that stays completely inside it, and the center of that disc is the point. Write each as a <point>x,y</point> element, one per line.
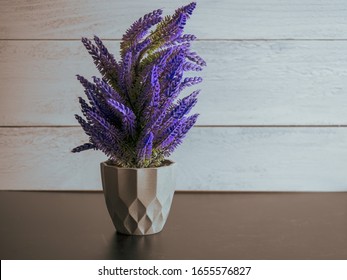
<point>138,199</point>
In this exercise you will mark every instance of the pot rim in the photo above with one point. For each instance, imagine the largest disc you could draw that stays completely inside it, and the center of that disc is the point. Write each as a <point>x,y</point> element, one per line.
<point>167,163</point>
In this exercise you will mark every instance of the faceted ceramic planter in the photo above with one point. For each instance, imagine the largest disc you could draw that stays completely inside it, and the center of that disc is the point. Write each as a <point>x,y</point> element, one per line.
<point>138,199</point>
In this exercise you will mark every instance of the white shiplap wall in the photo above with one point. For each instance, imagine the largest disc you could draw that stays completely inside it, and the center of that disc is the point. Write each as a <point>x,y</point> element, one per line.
<point>273,105</point>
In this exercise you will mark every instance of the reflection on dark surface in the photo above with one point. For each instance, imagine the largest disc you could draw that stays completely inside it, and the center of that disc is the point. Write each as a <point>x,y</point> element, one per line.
<point>125,247</point>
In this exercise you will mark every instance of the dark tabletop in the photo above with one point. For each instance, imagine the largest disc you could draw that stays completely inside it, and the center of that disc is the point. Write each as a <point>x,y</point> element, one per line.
<point>231,225</point>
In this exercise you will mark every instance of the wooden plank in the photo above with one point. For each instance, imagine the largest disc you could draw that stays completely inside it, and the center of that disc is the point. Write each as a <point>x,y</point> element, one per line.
<point>246,83</point>
<point>252,159</point>
<point>224,19</point>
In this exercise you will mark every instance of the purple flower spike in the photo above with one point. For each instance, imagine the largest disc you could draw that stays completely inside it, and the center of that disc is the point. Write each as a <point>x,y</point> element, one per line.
<point>189,8</point>
<point>84,147</point>
<point>131,113</point>
<point>139,29</point>
<point>145,148</point>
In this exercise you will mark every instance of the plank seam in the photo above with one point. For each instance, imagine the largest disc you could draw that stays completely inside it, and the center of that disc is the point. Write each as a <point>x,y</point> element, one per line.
<point>197,126</point>
<point>199,40</point>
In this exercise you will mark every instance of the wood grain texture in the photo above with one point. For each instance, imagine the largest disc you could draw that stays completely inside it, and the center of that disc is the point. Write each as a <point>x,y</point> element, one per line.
<point>262,159</point>
<point>224,19</point>
<point>245,83</point>
<point>270,63</point>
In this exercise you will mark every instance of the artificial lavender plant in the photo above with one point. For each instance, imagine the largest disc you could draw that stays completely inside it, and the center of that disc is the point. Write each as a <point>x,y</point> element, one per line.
<point>133,114</point>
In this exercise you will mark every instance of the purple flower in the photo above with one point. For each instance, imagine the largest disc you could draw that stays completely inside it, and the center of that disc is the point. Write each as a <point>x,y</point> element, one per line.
<point>131,113</point>
<point>139,29</point>
<point>188,82</point>
<point>145,147</point>
<point>83,147</point>
<point>127,115</point>
<point>185,105</point>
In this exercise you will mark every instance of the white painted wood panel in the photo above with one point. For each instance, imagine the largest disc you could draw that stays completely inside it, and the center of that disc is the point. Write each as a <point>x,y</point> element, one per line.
<point>245,83</point>
<point>256,75</point>
<point>261,159</point>
<point>224,19</point>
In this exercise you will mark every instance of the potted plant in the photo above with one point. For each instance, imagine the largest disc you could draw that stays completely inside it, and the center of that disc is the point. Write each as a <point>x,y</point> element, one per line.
<point>134,116</point>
